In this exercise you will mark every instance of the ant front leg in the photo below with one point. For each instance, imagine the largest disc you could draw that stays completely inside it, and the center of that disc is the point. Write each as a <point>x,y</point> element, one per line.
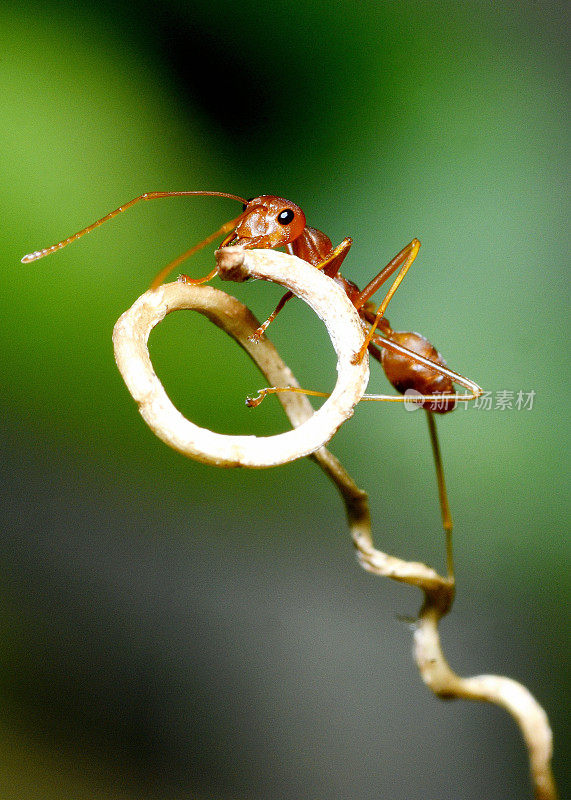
<point>160,276</point>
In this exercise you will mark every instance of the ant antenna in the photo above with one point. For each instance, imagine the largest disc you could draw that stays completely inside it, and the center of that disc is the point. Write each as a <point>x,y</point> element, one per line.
<point>147,196</point>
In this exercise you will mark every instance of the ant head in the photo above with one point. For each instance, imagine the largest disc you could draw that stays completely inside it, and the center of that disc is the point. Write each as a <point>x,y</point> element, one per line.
<point>268,221</point>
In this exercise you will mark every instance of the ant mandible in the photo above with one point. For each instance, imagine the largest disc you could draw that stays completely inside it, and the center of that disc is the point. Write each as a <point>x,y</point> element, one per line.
<point>408,359</point>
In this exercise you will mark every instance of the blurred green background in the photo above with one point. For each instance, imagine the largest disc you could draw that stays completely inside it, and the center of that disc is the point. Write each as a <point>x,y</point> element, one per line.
<point>174,631</point>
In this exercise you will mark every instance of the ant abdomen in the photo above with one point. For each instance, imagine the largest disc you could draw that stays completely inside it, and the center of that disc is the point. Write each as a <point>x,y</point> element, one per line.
<point>405,374</point>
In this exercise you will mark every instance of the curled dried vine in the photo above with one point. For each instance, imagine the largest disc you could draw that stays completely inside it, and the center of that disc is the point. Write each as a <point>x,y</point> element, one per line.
<point>310,433</point>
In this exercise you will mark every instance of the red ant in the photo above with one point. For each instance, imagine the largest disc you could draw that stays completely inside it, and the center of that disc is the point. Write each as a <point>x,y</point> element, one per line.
<point>409,360</point>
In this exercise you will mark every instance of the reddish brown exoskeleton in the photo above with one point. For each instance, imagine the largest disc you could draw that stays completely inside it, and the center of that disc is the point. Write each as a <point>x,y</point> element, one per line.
<point>411,363</point>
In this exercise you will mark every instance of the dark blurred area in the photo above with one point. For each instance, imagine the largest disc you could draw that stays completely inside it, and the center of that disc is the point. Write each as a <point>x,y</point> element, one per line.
<point>173,631</point>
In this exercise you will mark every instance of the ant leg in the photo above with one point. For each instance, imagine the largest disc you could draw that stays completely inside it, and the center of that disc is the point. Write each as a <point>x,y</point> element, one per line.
<point>370,289</point>
<point>404,258</point>
<point>330,267</point>
<point>147,196</point>
<point>332,264</point>
<point>258,333</point>
<point>160,276</point>
<point>254,402</point>
<point>447,523</point>
<point>474,390</point>
<point>445,514</point>
<point>416,398</point>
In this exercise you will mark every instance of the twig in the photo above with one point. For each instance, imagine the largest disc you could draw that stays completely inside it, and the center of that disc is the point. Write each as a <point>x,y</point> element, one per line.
<point>130,338</point>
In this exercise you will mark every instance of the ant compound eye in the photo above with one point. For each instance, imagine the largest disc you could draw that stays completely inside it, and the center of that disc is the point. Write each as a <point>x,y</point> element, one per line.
<point>286,216</point>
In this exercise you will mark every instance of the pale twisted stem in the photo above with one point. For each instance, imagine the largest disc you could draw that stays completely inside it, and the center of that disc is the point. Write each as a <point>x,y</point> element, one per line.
<point>433,667</point>
<point>511,695</point>
<point>328,300</point>
<point>130,338</point>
